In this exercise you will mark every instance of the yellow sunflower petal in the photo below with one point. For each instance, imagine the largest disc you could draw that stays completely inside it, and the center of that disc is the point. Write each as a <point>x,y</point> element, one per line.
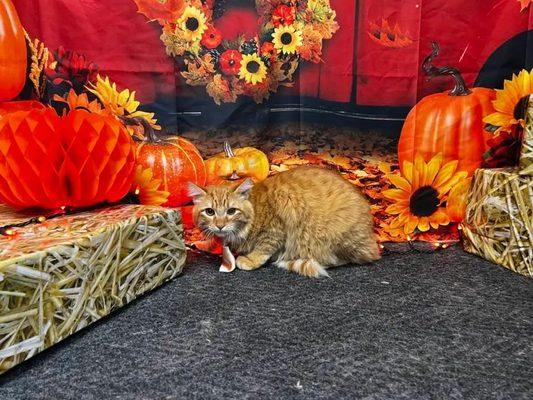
<point>497,119</point>
<point>397,208</point>
<point>411,225</point>
<point>408,171</point>
<point>447,186</point>
<point>396,194</point>
<point>433,168</point>
<point>440,217</point>
<point>420,167</point>
<point>423,224</point>
<point>400,182</point>
<point>445,173</point>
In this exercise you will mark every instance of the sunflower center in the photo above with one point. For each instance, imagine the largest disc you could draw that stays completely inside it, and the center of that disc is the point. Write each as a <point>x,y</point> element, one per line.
<point>192,24</point>
<point>520,108</point>
<point>424,201</point>
<point>286,38</point>
<point>252,67</point>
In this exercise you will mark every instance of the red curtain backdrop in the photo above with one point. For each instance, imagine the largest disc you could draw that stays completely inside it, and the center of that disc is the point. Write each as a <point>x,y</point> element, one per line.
<point>128,49</point>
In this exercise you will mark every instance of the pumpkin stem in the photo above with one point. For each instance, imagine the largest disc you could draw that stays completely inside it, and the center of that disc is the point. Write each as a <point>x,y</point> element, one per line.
<point>432,71</point>
<point>228,150</point>
<point>149,132</point>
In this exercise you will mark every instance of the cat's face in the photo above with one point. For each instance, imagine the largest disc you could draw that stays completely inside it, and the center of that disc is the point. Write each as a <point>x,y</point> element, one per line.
<point>224,210</point>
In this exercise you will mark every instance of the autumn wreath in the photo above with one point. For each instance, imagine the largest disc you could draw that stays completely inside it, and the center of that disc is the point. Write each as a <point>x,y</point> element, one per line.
<point>289,31</point>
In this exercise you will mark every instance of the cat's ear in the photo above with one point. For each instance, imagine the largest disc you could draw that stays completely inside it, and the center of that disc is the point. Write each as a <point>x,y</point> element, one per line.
<point>195,191</point>
<point>244,188</point>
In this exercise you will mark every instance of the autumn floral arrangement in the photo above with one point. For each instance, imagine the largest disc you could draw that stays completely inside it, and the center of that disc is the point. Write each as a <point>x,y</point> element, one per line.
<point>289,32</point>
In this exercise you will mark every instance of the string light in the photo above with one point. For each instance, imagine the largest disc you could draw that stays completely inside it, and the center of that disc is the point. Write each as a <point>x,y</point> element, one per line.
<point>41,219</point>
<point>9,232</point>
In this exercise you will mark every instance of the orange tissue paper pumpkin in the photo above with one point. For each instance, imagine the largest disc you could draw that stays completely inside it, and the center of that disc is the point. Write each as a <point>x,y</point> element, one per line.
<point>247,162</point>
<point>173,160</point>
<point>450,123</point>
<point>78,160</point>
<point>13,52</point>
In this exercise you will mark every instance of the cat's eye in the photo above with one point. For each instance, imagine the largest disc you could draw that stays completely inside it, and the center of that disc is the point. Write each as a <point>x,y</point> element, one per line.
<point>209,212</point>
<point>231,211</point>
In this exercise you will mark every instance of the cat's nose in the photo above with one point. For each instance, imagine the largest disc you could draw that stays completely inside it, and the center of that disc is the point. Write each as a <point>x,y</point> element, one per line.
<point>220,226</point>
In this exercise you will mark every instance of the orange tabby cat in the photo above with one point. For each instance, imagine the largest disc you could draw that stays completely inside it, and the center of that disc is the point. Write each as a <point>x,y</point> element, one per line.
<point>305,220</point>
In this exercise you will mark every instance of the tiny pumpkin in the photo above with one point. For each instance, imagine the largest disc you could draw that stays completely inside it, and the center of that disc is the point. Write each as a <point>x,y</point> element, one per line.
<point>174,161</point>
<point>13,52</point>
<point>450,123</point>
<point>246,162</point>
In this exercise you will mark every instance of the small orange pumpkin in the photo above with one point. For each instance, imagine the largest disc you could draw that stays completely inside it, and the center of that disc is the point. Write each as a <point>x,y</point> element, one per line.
<point>450,123</point>
<point>13,52</point>
<point>247,162</point>
<point>173,160</point>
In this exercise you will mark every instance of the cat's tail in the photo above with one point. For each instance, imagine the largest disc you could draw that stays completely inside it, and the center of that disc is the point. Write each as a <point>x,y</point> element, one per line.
<point>310,268</point>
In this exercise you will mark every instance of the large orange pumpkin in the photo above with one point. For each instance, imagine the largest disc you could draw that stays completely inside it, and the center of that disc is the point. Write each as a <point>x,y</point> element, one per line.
<point>13,52</point>
<point>78,160</point>
<point>450,123</point>
<point>175,161</point>
<point>247,162</point>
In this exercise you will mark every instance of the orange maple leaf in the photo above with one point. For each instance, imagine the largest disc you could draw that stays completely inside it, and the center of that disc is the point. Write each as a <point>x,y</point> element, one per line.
<point>163,11</point>
<point>524,4</point>
<point>388,36</point>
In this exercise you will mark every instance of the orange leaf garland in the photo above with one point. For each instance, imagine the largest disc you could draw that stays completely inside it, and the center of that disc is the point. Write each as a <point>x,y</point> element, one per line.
<point>388,36</point>
<point>524,4</point>
<point>161,10</point>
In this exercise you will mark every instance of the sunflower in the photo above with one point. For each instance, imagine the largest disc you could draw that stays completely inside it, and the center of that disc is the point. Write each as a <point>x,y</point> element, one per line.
<point>253,70</point>
<point>511,101</point>
<point>120,104</point>
<point>287,39</point>
<point>421,193</point>
<point>193,23</point>
<point>147,189</point>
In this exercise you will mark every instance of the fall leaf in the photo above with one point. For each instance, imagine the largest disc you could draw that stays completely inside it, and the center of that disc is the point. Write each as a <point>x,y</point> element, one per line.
<point>220,90</point>
<point>388,36</point>
<point>163,11</point>
<point>524,4</point>
<point>75,101</point>
<point>199,72</point>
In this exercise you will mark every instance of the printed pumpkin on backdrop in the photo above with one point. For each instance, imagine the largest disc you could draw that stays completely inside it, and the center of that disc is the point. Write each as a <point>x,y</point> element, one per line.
<point>449,123</point>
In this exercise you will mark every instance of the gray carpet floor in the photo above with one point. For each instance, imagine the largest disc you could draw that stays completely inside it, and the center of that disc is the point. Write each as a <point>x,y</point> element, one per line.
<point>414,326</point>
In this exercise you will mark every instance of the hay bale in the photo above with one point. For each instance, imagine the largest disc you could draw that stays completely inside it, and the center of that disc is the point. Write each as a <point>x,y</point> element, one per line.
<point>526,157</point>
<point>66,273</point>
<point>499,219</point>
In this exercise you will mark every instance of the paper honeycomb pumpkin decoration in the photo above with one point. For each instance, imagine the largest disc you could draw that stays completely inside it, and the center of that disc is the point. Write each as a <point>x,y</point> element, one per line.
<point>176,162</point>
<point>78,160</point>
